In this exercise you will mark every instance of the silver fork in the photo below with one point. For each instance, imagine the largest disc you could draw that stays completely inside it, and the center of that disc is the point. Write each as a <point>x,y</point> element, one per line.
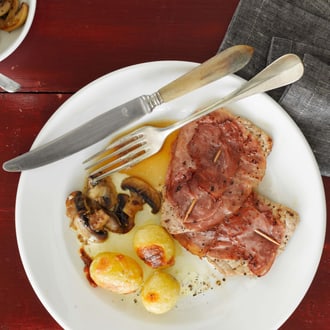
<point>148,140</point>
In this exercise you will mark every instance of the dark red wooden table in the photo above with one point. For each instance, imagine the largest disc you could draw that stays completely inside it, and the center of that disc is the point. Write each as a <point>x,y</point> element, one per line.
<point>70,44</point>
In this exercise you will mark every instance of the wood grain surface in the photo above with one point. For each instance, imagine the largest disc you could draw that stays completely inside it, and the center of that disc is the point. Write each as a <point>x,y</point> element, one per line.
<point>70,44</point>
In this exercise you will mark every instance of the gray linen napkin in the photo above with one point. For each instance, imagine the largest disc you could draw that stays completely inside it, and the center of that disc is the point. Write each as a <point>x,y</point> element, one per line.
<point>308,103</point>
<point>276,27</point>
<point>281,46</point>
<point>255,22</point>
<point>317,7</point>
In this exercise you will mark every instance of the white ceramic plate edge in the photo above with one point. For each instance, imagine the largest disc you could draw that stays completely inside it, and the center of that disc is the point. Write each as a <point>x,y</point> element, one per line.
<point>42,137</point>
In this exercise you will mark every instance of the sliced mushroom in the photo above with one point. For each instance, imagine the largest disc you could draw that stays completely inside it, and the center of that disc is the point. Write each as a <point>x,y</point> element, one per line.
<point>119,221</point>
<point>102,210</point>
<point>133,205</point>
<point>124,212</point>
<point>4,7</point>
<point>13,9</point>
<point>102,192</point>
<point>114,224</point>
<point>86,233</point>
<point>148,193</point>
<point>98,219</point>
<point>121,202</point>
<point>107,220</point>
<point>16,16</point>
<point>74,204</point>
<point>79,215</point>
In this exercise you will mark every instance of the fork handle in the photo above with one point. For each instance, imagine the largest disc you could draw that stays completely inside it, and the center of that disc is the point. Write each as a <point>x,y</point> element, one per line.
<point>8,84</point>
<point>228,61</point>
<point>283,71</point>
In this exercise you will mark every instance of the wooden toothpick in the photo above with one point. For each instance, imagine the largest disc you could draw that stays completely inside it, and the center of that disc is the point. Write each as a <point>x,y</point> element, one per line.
<point>216,157</point>
<point>270,239</point>
<point>193,202</point>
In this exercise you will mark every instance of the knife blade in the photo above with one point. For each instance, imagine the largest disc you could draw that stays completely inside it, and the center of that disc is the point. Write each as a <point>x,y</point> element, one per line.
<point>228,61</point>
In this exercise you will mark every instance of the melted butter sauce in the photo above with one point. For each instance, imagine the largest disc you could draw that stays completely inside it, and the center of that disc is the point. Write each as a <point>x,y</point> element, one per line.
<point>153,169</point>
<point>195,275</point>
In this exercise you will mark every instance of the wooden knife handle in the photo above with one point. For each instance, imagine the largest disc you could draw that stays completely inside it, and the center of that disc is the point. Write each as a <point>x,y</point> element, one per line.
<point>228,61</point>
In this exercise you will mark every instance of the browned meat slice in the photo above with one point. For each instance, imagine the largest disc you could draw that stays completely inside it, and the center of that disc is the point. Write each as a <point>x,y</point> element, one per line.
<point>210,205</point>
<point>216,163</point>
<point>234,247</point>
<point>237,239</point>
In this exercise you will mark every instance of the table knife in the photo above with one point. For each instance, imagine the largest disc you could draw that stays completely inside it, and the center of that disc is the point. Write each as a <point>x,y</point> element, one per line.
<point>229,61</point>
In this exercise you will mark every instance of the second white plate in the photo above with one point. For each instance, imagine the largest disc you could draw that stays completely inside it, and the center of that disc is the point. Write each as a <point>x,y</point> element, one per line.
<point>10,41</point>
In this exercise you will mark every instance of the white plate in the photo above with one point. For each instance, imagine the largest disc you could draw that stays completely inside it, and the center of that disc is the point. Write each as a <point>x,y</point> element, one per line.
<point>49,249</point>
<point>9,41</point>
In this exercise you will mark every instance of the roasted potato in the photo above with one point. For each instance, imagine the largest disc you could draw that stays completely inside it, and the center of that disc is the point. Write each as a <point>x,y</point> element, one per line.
<point>160,292</point>
<point>154,245</point>
<point>116,272</point>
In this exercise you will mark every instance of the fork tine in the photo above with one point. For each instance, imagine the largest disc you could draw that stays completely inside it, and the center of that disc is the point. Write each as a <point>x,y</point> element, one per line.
<point>119,151</point>
<point>99,153</point>
<point>126,159</point>
<point>121,167</point>
<point>123,140</point>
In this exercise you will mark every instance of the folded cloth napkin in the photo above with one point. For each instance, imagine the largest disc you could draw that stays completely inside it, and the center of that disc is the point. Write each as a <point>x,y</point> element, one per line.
<point>319,8</point>
<point>277,27</point>
<point>308,103</point>
<point>281,46</point>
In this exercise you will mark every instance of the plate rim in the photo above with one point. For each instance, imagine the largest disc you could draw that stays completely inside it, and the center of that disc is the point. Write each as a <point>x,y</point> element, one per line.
<point>58,112</point>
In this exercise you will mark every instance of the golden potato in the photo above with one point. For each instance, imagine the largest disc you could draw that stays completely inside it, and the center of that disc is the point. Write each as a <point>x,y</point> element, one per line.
<point>154,245</point>
<point>116,272</point>
<point>160,292</point>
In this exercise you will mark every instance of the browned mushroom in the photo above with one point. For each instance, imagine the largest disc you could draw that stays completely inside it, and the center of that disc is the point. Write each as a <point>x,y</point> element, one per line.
<point>103,192</point>
<point>76,210</point>
<point>74,204</point>
<point>98,219</point>
<point>141,188</point>
<point>101,209</point>
<point>16,16</point>
<point>122,217</point>
<point>102,219</point>
<point>133,205</point>
<point>4,7</point>
<point>115,225</point>
<point>126,209</point>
